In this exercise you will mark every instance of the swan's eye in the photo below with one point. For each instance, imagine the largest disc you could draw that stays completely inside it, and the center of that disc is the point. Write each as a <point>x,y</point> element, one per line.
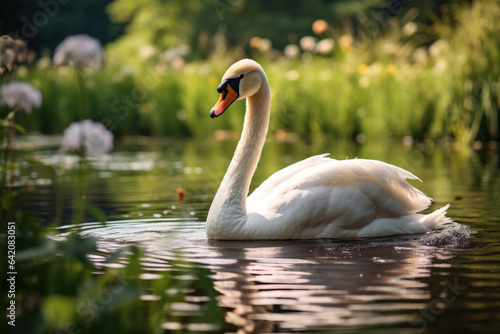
<point>233,82</point>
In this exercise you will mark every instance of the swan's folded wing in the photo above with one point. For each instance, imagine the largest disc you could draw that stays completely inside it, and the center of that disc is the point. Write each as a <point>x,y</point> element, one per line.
<point>353,192</point>
<point>284,175</point>
<point>384,184</point>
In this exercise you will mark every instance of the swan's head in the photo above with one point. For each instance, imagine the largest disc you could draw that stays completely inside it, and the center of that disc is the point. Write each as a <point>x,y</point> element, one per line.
<point>241,80</point>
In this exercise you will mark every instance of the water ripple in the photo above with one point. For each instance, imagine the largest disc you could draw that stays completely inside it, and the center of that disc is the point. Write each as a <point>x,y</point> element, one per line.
<point>292,284</point>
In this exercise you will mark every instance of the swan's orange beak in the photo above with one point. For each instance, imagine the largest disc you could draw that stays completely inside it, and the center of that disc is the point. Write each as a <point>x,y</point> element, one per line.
<point>227,97</point>
<point>229,90</point>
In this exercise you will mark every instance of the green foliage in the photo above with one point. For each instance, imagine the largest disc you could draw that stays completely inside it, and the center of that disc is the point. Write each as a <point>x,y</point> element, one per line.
<point>413,80</point>
<point>196,22</point>
<point>474,54</point>
<point>58,289</point>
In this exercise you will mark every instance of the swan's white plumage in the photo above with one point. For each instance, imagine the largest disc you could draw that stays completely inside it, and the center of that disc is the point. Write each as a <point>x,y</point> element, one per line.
<point>322,197</point>
<point>318,197</point>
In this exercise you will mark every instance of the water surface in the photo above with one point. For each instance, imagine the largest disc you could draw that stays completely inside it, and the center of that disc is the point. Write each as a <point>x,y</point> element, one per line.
<point>445,281</point>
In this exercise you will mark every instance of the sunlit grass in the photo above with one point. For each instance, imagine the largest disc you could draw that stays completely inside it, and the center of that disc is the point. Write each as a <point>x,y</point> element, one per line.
<point>387,87</point>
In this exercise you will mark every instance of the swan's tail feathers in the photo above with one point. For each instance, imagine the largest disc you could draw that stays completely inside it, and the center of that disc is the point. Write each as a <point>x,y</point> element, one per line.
<point>437,220</point>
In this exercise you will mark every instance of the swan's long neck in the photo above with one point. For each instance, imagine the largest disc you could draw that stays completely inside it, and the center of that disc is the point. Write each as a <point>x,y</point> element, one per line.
<point>228,208</point>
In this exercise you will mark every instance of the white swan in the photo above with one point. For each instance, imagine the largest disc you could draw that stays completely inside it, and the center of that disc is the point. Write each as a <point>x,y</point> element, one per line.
<point>315,198</point>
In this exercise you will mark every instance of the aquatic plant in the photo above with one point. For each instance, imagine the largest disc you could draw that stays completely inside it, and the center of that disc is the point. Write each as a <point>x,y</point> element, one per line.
<point>20,96</point>
<point>87,138</point>
<point>81,51</point>
<point>16,96</point>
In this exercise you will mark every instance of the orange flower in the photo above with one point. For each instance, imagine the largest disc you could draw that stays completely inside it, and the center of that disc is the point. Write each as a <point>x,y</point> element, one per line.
<point>320,27</point>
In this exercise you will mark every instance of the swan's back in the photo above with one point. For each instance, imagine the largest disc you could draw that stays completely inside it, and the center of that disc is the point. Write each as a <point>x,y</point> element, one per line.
<point>333,198</point>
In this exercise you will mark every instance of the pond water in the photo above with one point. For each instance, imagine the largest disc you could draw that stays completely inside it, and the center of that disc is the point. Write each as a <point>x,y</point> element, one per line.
<point>445,281</point>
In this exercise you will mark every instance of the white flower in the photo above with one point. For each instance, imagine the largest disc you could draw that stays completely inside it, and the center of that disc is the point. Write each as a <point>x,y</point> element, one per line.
<point>410,28</point>
<point>291,51</point>
<point>325,46</point>
<point>437,47</point>
<point>147,52</point>
<point>81,50</point>
<point>177,52</point>
<point>88,138</point>
<point>390,48</point>
<point>265,45</point>
<point>308,43</point>
<point>20,95</point>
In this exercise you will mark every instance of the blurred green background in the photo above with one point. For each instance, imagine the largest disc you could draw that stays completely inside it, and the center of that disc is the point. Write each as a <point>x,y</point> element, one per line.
<point>360,70</point>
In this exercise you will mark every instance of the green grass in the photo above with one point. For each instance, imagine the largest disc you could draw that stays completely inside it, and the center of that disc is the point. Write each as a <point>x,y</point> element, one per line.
<point>364,88</point>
